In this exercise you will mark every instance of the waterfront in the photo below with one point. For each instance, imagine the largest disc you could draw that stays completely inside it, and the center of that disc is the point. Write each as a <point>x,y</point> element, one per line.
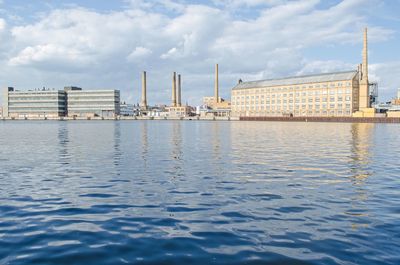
<point>199,192</point>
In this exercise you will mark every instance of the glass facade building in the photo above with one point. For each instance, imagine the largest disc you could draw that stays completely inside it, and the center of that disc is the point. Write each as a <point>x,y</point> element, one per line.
<point>93,103</point>
<point>71,102</point>
<point>34,104</point>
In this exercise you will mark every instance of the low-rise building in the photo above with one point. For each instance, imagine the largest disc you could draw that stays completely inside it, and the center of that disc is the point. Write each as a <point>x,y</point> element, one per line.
<point>129,109</point>
<point>179,111</point>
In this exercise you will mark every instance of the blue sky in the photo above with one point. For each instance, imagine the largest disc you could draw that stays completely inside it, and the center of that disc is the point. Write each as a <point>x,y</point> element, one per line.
<point>106,44</point>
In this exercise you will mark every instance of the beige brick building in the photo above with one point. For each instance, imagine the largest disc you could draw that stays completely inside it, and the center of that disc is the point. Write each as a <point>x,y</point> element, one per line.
<point>333,94</point>
<point>329,94</point>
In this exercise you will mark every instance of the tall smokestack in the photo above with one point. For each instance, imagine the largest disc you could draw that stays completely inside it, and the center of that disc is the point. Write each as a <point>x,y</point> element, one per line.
<point>365,56</point>
<point>179,96</point>
<point>173,90</point>
<point>216,85</point>
<point>364,101</point>
<point>143,102</point>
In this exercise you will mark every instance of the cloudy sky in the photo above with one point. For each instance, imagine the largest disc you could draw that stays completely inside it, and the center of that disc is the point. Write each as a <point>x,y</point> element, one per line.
<point>107,43</point>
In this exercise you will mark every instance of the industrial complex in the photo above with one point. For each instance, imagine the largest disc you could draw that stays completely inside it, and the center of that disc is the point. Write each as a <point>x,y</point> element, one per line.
<point>345,94</point>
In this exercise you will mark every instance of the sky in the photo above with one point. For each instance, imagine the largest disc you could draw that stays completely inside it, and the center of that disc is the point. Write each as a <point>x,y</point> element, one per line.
<point>104,44</point>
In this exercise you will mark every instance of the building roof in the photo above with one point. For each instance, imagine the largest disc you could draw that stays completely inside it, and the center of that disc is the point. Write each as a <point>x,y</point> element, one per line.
<point>297,80</point>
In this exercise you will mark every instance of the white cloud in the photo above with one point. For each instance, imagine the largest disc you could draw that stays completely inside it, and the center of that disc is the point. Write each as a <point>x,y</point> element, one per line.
<point>2,24</point>
<point>48,53</point>
<point>139,53</point>
<point>109,49</point>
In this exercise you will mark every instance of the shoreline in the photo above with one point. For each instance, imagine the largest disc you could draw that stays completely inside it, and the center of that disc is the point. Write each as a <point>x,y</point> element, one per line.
<point>260,119</point>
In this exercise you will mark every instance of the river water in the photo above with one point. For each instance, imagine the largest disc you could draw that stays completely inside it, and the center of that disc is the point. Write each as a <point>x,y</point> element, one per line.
<point>194,192</point>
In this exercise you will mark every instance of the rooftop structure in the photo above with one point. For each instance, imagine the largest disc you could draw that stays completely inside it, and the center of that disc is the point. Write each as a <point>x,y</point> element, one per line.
<point>298,80</point>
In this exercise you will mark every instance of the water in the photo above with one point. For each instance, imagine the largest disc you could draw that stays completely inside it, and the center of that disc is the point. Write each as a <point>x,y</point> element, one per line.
<point>175,192</point>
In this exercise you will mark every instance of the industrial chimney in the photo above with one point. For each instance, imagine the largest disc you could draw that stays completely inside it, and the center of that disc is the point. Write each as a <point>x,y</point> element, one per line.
<point>143,102</point>
<point>216,85</point>
<point>173,90</point>
<point>364,101</point>
<point>179,96</point>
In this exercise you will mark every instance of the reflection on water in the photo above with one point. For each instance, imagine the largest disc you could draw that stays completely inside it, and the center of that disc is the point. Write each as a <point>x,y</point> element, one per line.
<point>198,192</point>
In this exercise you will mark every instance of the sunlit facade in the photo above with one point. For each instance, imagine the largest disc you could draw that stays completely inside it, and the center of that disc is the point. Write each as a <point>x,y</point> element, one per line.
<point>332,94</point>
<point>339,94</point>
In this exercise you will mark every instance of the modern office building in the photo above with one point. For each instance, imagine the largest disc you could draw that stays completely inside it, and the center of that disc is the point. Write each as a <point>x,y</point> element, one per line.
<point>92,103</point>
<point>72,102</point>
<point>34,103</point>
<point>329,94</point>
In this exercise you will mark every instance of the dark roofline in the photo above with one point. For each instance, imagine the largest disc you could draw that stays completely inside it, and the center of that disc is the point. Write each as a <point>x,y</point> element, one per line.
<point>300,76</point>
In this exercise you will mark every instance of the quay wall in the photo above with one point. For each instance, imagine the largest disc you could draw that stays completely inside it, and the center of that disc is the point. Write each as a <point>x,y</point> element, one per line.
<point>326,119</point>
<point>280,119</point>
<point>123,118</point>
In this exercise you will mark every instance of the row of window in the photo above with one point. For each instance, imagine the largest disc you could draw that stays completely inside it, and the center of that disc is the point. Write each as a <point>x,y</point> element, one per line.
<point>36,99</point>
<point>297,101</point>
<point>291,107</point>
<point>297,94</point>
<point>297,113</point>
<point>41,109</point>
<point>292,88</point>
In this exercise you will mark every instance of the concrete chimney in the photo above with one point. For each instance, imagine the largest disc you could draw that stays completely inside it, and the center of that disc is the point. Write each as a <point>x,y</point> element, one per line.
<point>364,101</point>
<point>173,90</point>
<point>216,85</point>
<point>365,56</point>
<point>143,102</point>
<point>179,96</point>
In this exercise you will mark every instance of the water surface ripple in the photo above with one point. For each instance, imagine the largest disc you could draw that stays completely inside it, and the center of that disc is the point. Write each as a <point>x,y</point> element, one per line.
<point>186,192</point>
